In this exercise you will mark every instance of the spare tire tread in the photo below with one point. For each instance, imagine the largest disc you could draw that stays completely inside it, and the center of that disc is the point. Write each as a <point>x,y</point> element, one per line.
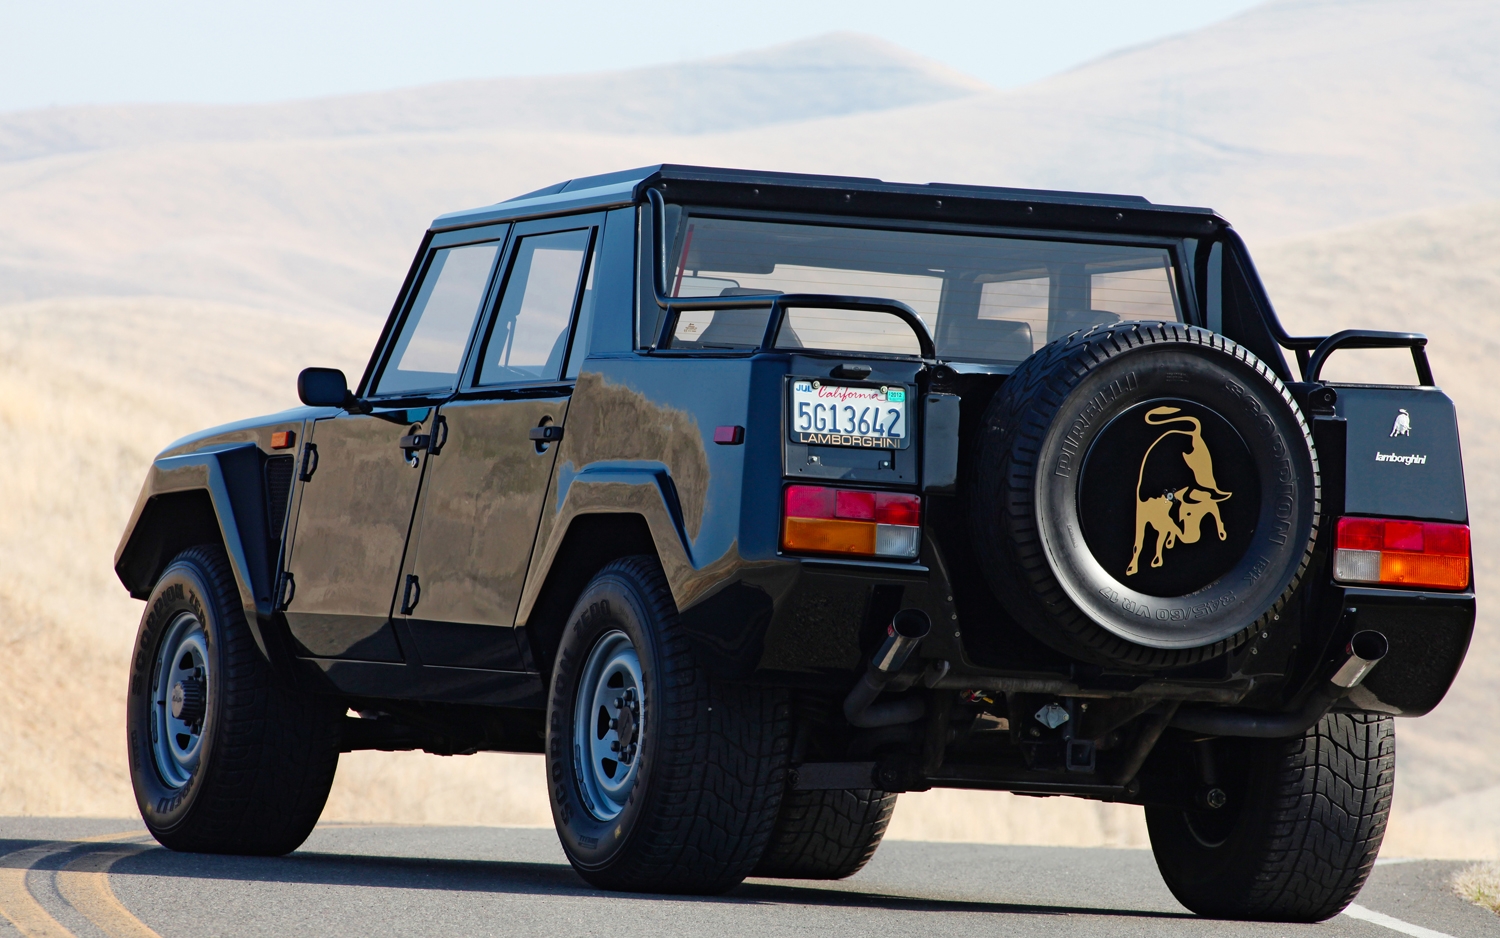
<point>1024,410</point>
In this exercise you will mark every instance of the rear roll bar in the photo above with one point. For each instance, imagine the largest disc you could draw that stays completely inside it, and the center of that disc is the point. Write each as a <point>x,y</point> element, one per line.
<point>1312,351</point>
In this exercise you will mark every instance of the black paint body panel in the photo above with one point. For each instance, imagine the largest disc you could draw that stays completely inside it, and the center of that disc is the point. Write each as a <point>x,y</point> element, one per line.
<point>1410,468</point>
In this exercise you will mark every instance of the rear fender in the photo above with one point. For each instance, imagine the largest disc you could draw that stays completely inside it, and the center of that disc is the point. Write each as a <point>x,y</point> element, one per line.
<point>628,487</point>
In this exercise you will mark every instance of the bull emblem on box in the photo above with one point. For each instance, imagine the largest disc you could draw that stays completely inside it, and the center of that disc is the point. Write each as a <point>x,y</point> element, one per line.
<point>1176,514</point>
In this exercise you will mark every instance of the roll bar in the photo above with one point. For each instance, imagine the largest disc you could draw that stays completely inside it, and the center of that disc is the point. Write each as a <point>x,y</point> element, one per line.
<point>1312,351</point>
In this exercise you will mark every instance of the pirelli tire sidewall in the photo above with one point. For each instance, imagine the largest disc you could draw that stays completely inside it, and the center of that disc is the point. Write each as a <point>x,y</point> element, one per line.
<point>1284,463</point>
<point>1096,389</point>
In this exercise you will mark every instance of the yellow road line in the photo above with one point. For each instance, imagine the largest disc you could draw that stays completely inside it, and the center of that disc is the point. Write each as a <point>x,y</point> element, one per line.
<point>16,901</point>
<point>84,883</point>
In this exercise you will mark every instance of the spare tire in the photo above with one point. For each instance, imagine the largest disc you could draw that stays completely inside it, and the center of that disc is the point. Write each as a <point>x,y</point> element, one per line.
<point>1145,495</point>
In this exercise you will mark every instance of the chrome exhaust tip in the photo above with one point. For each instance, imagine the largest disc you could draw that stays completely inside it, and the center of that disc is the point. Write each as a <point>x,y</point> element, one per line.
<point>1365,650</point>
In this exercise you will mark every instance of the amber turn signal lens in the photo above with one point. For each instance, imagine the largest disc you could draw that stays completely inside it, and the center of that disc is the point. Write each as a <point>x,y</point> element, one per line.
<point>828,536</point>
<point>283,439</point>
<point>1395,552</point>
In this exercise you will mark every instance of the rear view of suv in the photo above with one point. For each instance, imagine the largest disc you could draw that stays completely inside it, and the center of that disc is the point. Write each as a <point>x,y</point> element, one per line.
<point>752,500</point>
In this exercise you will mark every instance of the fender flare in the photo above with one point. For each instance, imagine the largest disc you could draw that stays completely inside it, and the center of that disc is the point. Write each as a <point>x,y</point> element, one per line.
<point>225,481</point>
<point>643,488</point>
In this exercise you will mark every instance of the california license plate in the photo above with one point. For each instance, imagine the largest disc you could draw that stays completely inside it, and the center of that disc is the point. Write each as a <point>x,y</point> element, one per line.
<point>825,414</point>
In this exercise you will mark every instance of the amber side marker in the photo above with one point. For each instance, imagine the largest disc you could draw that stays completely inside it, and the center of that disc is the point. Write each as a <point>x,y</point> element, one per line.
<point>283,439</point>
<point>1394,552</point>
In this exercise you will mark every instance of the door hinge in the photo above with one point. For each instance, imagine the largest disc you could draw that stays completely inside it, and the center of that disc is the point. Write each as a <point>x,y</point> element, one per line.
<point>286,591</point>
<point>309,461</point>
<point>411,595</point>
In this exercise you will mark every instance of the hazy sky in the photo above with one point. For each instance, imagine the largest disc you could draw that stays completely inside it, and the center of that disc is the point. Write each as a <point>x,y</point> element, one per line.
<point>60,52</point>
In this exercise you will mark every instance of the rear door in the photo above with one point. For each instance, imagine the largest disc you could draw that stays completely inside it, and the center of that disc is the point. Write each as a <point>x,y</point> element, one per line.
<point>482,497</point>
<point>362,472</point>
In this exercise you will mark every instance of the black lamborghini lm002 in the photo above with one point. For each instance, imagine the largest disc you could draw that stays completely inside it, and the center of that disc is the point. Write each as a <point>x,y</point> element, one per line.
<point>751,500</point>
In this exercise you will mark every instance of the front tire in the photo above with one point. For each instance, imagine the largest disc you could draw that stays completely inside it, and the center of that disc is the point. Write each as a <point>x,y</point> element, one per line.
<point>1300,833</point>
<point>661,779</point>
<point>222,758</point>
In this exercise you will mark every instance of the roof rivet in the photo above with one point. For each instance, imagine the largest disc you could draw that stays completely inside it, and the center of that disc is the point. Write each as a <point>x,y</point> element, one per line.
<point>847,197</point>
<point>939,203</point>
<point>1029,210</point>
<point>755,192</point>
<point>1119,216</point>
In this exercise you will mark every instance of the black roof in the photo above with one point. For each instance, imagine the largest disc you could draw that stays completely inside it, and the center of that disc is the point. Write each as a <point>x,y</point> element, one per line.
<point>849,195</point>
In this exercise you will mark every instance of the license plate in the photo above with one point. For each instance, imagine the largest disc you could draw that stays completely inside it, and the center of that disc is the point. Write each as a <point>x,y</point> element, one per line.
<point>825,414</point>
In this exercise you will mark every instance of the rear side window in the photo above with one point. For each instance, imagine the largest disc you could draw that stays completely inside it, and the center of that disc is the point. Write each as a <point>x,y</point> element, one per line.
<point>430,349</point>
<point>529,335</point>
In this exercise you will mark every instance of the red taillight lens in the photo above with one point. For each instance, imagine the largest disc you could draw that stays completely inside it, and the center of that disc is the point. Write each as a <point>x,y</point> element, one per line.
<point>855,506</point>
<point>1402,553</point>
<point>822,520</point>
<point>809,501</point>
<point>895,508</point>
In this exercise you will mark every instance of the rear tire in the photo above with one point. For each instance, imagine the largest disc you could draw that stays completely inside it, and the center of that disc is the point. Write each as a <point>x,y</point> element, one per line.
<point>826,834</point>
<point>223,759</point>
<point>1308,817</point>
<point>661,779</point>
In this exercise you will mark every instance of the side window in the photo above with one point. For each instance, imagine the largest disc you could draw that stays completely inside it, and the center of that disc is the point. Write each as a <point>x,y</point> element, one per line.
<point>529,335</point>
<point>430,349</point>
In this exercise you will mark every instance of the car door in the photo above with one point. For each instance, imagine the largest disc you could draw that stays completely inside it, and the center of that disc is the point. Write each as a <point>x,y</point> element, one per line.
<point>362,472</point>
<point>482,498</point>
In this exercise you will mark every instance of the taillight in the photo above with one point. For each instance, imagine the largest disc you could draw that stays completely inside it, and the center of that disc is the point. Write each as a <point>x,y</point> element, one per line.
<point>820,520</point>
<point>1402,553</point>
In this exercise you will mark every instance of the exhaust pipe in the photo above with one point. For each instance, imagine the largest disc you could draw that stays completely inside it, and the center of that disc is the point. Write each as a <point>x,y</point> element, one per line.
<point>902,637</point>
<point>1364,652</point>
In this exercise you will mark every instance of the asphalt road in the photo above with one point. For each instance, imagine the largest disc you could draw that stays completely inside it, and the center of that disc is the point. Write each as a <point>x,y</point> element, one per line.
<point>61,877</point>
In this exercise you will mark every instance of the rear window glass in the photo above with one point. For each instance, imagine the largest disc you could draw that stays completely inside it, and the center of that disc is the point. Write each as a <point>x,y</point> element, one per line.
<point>983,298</point>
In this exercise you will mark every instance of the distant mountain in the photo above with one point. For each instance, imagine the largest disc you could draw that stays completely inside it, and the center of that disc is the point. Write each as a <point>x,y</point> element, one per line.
<point>1294,116</point>
<point>832,75</point>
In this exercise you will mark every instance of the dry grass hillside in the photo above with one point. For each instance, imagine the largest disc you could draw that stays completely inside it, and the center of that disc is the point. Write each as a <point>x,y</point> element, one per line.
<point>165,269</point>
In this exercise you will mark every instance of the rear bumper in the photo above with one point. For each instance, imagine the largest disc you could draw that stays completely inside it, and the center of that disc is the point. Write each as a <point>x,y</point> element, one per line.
<point>1429,634</point>
<point>811,621</point>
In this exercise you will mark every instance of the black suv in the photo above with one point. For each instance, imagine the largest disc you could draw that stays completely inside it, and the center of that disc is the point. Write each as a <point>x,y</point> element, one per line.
<point>753,499</point>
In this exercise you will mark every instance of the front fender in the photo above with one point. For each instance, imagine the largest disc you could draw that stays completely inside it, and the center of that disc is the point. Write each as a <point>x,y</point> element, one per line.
<point>214,492</point>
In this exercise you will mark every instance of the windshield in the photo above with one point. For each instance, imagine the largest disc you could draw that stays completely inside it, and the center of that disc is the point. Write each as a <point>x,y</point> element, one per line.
<point>987,299</point>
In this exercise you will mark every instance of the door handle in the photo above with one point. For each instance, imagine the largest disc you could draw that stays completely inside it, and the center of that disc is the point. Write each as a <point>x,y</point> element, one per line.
<point>412,442</point>
<point>548,433</point>
<point>411,595</point>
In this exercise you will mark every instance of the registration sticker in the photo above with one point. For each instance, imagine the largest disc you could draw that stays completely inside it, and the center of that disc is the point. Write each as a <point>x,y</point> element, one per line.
<point>825,414</point>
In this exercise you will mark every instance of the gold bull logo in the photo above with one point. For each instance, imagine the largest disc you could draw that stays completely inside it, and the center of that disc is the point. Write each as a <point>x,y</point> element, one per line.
<point>1176,514</point>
